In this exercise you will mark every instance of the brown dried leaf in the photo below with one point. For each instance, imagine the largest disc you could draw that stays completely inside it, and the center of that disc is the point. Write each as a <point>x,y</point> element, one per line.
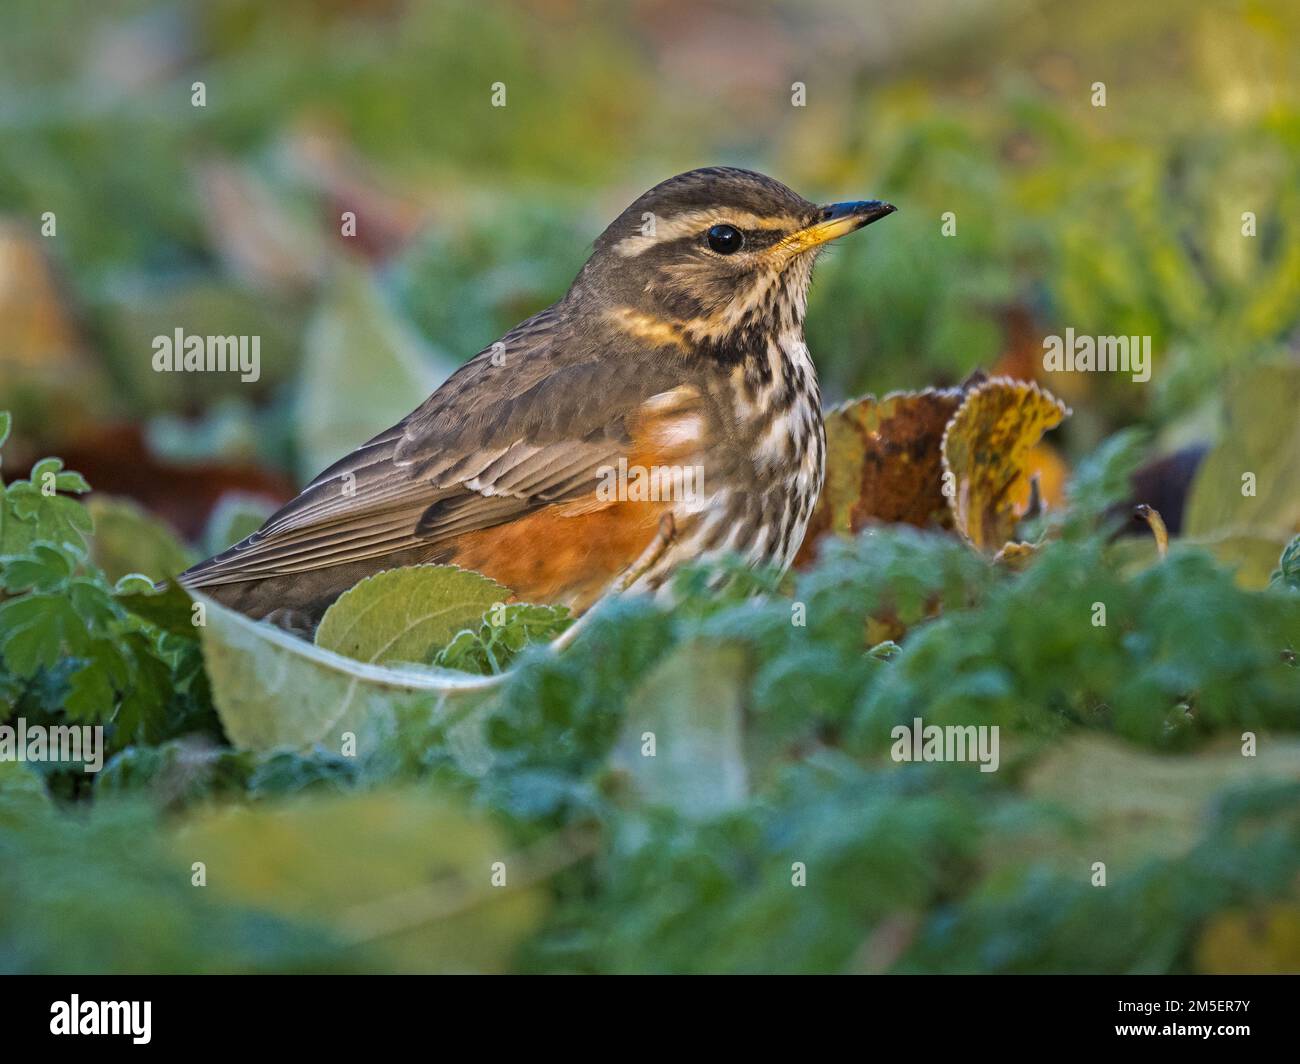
<point>883,464</point>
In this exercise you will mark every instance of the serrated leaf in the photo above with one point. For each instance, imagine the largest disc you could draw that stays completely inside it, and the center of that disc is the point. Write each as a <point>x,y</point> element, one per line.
<point>32,517</point>
<point>493,646</point>
<point>43,470</point>
<point>406,614</point>
<point>42,568</point>
<point>33,630</point>
<point>71,482</point>
<point>91,695</point>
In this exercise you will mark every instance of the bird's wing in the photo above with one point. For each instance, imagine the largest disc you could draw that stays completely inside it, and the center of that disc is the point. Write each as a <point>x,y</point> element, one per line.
<point>461,462</point>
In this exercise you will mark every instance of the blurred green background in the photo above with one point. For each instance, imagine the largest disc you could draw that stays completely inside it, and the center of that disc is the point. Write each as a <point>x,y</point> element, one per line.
<point>1122,219</point>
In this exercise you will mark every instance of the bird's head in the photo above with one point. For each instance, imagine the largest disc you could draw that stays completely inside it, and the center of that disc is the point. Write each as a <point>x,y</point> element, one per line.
<point>713,254</point>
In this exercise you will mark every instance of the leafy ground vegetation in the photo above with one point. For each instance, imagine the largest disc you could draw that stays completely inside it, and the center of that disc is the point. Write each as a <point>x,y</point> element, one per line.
<point>443,789</point>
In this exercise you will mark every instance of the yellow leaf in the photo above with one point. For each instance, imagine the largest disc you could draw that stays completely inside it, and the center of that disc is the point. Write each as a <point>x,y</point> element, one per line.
<point>987,448</point>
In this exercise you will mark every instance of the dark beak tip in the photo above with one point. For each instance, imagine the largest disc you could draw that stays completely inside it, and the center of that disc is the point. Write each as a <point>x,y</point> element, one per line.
<point>868,210</point>
<point>874,210</point>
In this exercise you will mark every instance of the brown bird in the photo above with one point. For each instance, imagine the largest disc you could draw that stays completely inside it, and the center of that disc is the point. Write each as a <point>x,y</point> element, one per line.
<point>664,410</point>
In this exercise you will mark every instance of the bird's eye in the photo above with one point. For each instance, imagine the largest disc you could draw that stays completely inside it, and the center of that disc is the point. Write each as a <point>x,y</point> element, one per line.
<point>725,239</point>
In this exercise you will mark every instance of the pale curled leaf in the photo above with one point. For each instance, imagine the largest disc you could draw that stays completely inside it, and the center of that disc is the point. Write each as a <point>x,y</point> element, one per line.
<point>274,691</point>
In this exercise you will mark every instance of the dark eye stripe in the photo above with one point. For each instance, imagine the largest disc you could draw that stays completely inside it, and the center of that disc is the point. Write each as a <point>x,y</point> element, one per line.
<point>757,239</point>
<point>673,250</point>
<point>751,239</point>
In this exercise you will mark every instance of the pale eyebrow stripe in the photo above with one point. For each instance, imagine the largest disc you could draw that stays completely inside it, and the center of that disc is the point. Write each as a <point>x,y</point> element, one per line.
<point>688,223</point>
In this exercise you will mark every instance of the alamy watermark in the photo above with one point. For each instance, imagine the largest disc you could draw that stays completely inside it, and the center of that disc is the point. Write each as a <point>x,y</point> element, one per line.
<point>636,483</point>
<point>1098,354</point>
<point>64,743</point>
<point>930,742</point>
<point>179,353</point>
<point>77,1017</point>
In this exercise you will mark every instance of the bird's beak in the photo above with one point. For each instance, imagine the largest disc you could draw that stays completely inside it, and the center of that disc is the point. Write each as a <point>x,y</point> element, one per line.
<point>837,219</point>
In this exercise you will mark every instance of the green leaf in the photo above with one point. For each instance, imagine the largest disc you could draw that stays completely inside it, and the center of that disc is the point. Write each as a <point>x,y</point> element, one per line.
<point>1287,573</point>
<point>91,694</point>
<point>406,614</point>
<point>42,568</point>
<point>170,608</point>
<point>31,517</point>
<point>500,639</point>
<point>33,629</point>
<point>399,874</point>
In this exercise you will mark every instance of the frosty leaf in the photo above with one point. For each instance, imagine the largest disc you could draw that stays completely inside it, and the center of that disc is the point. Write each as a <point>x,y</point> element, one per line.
<point>42,568</point>
<point>491,647</point>
<point>27,516</point>
<point>406,614</point>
